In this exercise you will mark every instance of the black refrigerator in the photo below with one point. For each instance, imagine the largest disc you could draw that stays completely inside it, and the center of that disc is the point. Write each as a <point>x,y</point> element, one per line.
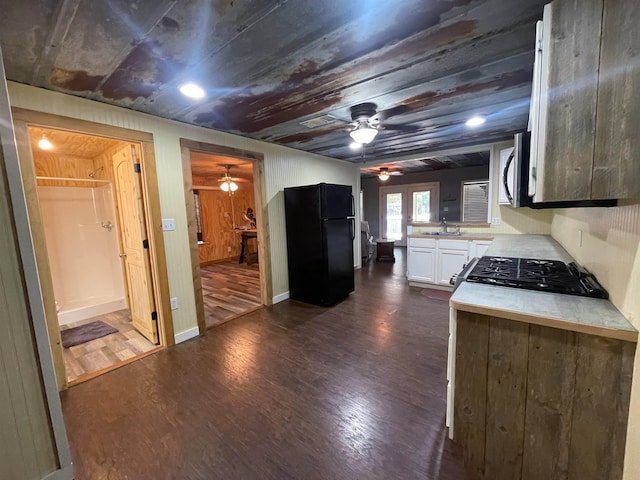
<point>320,231</point>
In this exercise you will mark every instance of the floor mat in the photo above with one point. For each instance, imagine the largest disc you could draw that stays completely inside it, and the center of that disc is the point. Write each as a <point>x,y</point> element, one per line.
<point>436,294</point>
<point>85,333</point>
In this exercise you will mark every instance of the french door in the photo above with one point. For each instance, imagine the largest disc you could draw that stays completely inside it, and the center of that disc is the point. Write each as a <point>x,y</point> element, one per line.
<point>406,204</point>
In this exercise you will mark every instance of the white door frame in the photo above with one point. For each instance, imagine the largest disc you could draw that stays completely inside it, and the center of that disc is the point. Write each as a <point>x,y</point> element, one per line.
<point>407,206</point>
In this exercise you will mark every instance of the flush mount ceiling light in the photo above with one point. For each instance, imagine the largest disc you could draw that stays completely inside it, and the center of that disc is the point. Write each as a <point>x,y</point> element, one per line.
<point>227,182</point>
<point>475,121</point>
<point>364,133</point>
<point>44,143</point>
<point>383,174</point>
<point>192,90</point>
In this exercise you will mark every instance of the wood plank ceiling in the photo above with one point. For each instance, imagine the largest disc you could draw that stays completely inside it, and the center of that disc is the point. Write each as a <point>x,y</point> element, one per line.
<point>268,66</point>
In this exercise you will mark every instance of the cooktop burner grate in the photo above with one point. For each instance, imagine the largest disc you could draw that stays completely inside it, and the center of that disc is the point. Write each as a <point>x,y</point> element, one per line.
<point>536,274</point>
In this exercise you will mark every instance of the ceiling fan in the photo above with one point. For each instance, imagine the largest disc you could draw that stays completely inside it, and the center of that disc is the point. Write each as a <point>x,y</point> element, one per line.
<point>228,183</point>
<point>367,121</point>
<point>384,173</point>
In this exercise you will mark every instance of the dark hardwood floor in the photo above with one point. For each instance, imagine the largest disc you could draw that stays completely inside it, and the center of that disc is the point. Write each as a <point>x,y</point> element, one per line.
<point>292,391</point>
<point>229,289</point>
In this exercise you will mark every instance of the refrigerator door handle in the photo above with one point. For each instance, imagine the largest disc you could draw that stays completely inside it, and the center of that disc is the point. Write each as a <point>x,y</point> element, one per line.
<point>353,206</point>
<point>353,231</point>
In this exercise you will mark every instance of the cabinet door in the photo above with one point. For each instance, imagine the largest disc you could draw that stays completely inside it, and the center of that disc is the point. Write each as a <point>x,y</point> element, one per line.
<point>615,172</point>
<point>479,248</point>
<point>422,264</point>
<point>450,262</point>
<point>570,89</point>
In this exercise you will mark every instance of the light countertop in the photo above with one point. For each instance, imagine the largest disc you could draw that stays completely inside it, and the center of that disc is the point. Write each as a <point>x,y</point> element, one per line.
<point>464,236</point>
<point>568,312</point>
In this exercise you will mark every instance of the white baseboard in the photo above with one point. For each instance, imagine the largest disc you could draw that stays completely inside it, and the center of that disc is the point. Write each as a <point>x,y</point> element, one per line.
<point>281,298</point>
<point>186,335</point>
<point>65,473</point>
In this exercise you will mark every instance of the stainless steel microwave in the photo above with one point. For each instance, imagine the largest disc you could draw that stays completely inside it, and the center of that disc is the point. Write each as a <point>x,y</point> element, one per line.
<point>515,177</point>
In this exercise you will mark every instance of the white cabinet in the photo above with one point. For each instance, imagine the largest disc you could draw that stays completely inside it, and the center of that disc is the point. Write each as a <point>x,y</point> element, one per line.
<point>421,260</point>
<point>434,261</point>
<point>452,256</point>
<point>478,248</point>
<point>422,264</point>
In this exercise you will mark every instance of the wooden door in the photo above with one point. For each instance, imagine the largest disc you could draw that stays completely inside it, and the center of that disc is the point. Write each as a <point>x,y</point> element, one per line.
<point>135,245</point>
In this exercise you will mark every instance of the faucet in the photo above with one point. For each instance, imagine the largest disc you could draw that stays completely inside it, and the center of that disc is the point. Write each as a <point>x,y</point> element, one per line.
<point>443,224</point>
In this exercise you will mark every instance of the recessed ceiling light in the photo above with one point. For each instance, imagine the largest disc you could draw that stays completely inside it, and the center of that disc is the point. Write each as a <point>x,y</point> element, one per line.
<point>192,90</point>
<point>355,145</point>
<point>475,121</point>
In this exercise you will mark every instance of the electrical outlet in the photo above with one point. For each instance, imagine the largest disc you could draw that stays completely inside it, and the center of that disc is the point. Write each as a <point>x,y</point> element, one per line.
<point>579,238</point>
<point>174,303</point>
<point>496,220</point>
<point>228,249</point>
<point>168,224</point>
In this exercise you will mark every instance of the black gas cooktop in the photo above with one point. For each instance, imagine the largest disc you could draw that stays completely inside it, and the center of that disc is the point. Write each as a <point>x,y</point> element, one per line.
<point>536,274</point>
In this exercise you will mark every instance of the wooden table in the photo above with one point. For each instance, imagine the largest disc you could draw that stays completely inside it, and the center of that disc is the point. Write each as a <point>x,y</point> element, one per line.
<point>246,235</point>
<point>384,250</point>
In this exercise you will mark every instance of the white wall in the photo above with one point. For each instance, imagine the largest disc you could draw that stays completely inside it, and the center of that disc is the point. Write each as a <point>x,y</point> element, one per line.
<point>283,167</point>
<point>607,242</point>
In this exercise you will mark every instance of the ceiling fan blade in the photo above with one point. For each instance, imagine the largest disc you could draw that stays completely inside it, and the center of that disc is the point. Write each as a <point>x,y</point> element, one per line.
<point>396,173</point>
<point>392,112</point>
<point>400,128</point>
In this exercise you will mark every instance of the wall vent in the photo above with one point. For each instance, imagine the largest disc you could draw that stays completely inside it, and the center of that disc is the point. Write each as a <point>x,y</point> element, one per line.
<point>319,121</point>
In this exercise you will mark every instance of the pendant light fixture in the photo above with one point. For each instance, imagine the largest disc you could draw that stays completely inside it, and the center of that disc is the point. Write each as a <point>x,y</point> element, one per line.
<point>227,184</point>
<point>44,143</point>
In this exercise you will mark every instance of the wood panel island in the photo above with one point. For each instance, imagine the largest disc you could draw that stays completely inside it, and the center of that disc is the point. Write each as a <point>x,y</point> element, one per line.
<point>539,383</point>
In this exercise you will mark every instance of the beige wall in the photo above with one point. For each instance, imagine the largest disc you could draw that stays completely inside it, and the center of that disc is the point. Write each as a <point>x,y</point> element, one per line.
<point>283,167</point>
<point>611,250</point>
<point>512,220</point>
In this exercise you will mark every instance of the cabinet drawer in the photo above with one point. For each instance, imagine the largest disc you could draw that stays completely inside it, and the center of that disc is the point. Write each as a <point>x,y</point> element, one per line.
<point>450,244</point>
<point>422,242</point>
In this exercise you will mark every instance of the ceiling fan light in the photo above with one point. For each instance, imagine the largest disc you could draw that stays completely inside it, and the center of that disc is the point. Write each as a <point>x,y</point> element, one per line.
<point>363,134</point>
<point>233,186</point>
<point>383,175</point>
<point>44,143</point>
<point>355,145</point>
<point>224,186</point>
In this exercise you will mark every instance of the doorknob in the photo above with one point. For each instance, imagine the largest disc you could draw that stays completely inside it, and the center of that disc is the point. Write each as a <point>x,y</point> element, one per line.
<point>122,255</point>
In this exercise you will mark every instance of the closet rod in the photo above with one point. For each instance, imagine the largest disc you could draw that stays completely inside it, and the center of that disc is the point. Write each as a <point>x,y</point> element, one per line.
<point>65,179</point>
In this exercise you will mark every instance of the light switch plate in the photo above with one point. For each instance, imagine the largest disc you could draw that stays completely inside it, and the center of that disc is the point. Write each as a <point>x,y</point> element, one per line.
<point>496,220</point>
<point>174,303</point>
<point>168,224</point>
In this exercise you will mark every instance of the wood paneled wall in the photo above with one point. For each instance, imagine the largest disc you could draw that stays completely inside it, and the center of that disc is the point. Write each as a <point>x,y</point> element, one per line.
<point>220,241</point>
<point>535,402</point>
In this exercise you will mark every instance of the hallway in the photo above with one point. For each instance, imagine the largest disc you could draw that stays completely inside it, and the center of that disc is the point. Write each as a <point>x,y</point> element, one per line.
<point>293,391</point>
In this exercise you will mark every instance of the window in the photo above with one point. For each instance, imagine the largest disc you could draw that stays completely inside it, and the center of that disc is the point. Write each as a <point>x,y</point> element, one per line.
<point>196,203</point>
<point>422,206</point>
<point>475,201</point>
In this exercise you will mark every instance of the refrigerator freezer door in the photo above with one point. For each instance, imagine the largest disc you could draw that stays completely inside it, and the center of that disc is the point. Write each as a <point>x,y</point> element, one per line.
<point>337,201</point>
<point>338,247</point>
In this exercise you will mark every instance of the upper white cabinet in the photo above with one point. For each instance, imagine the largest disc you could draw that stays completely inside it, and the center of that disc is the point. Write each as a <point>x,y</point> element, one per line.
<point>586,103</point>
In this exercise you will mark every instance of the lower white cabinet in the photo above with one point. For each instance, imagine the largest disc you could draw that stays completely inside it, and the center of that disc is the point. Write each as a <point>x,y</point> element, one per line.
<point>449,263</point>
<point>422,264</point>
<point>435,261</point>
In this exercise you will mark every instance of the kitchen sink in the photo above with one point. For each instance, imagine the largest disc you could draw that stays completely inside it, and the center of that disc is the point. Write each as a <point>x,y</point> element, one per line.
<point>442,234</point>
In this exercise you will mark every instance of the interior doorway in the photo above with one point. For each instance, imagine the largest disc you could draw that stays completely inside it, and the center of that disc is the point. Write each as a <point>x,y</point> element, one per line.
<point>227,235</point>
<point>91,214</point>
<point>230,255</point>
